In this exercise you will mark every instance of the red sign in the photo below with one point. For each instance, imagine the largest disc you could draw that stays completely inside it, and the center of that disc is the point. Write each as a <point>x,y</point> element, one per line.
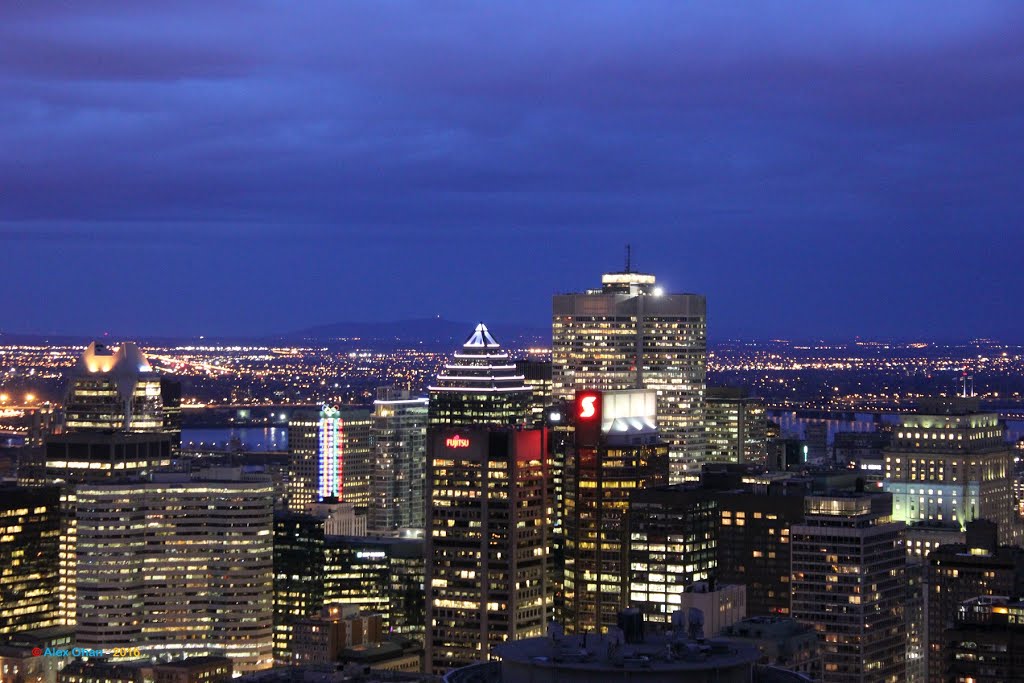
<point>587,409</point>
<point>456,442</point>
<point>588,418</point>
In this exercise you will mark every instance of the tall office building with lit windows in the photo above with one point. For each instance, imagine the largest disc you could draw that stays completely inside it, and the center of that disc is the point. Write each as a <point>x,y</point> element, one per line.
<point>115,389</point>
<point>381,575</point>
<point>178,566</point>
<point>115,426</point>
<point>848,582</point>
<point>399,442</point>
<point>949,463</point>
<point>537,376</point>
<point>616,450</point>
<point>736,426</point>
<point>488,541</point>
<point>29,545</point>
<point>298,576</point>
<point>480,386</point>
<point>331,457</point>
<point>630,334</point>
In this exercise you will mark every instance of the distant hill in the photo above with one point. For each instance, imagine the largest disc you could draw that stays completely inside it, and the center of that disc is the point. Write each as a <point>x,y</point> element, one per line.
<point>433,333</point>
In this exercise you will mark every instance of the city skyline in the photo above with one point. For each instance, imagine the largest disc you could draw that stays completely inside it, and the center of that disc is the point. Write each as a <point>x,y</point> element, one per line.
<point>851,165</point>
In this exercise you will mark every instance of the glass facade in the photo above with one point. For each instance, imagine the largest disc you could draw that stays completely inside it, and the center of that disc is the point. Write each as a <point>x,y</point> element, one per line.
<point>383,575</point>
<point>29,547</point>
<point>298,576</point>
<point>399,442</point>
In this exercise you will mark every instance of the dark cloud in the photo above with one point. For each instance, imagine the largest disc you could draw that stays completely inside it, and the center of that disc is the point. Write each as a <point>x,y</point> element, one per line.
<point>831,157</point>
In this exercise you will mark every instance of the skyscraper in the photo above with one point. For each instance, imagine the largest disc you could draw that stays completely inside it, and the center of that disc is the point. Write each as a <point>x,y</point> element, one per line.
<point>949,463</point>
<point>746,543</point>
<point>331,456</point>
<point>299,562</point>
<point>848,563</point>
<point>376,574</point>
<point>616,450</point>
<point>115,426</point>
<point>29,545</point>
<point>178,567</point>
<point>480,386</point>
<point>631,335</point>
<point>671,546</point>
<point>488,525</point>
<point>736,426</point>
<point>114,389</point>
<point>399,442</point>
<point>537,376</point>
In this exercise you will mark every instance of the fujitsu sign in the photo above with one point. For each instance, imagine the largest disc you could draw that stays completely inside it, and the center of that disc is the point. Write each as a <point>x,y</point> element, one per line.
<point>456,441</point>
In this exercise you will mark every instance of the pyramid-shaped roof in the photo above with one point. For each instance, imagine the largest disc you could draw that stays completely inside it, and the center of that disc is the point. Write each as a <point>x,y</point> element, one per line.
<point>481,338</point>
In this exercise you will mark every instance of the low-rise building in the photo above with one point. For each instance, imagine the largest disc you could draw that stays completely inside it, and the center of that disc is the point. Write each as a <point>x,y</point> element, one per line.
<point>321,639</point>
<point>783,642</point>
<point>721,604</point>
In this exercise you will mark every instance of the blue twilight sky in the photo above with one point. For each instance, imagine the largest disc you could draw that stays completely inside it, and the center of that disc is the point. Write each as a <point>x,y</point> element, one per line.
<point>816,169</point>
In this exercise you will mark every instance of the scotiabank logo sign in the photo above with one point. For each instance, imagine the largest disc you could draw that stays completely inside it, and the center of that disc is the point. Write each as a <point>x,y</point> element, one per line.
<point>587,407</point>
<point>456,442</point>
<point>588,417</point>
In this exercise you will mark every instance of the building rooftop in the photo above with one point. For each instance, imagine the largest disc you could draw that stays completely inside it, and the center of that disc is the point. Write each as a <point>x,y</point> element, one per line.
<point>767,627</point>
<point>608,652</point>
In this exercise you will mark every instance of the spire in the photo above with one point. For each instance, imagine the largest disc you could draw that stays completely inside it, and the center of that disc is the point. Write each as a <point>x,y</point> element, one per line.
<point>629,258</point>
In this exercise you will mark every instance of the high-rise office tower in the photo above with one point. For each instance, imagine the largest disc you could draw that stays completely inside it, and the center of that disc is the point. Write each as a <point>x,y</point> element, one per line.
<point>399,441</point>
<point>631,335</point>
<point>848,562</point>
<point>480,386</point>
<point>753,545</point>
<point>617,449</point>
<point>749,542</point>
<point>176,566</point>
<point>114,389</point>
<point>29,545</point>
<point>381,575</point>
<point>488,525</point>
<point>298,576</point>
<point>959,572</point>
<point>536,375</point>
<point>671,546</point>
<point>114,427</point>
<point>170,397</point>
<point>331,456</point>
<point>736,426</point>
<point>949,463</point>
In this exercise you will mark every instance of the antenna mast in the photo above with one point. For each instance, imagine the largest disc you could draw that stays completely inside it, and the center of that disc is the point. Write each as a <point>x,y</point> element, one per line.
<point>629,254</point>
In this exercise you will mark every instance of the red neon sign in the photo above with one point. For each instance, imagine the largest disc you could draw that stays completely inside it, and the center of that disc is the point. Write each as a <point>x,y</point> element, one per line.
<point>587,408</point>
<point>456,442</point>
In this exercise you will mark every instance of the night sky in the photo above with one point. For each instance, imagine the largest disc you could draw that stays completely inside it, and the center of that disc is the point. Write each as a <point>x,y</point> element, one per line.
<point>818,170</point>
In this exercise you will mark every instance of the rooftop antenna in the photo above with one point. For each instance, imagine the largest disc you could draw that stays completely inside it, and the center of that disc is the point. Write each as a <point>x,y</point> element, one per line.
<point>968,378</point>
<point>629,254</point>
